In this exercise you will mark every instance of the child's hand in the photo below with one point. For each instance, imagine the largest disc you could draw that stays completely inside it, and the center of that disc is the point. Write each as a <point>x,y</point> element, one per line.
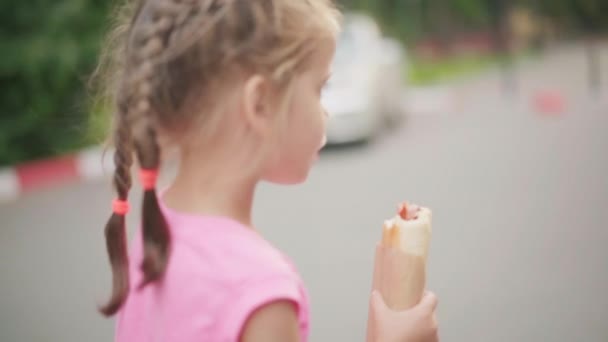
<point>417,324</point>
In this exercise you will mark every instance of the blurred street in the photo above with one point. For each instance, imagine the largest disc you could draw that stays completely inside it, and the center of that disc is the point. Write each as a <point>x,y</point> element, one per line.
<point>520,225</point>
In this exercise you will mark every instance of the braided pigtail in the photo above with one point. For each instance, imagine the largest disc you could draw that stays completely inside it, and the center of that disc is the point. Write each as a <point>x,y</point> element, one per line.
<point>156,236</point>
<point>151,41</point>
<point>115,231</point>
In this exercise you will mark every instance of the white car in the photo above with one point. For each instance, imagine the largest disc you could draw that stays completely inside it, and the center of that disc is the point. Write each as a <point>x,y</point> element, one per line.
<point>365,91</point>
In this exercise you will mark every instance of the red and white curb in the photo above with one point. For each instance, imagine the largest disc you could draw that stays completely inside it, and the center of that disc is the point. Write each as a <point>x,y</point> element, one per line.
<point>86,165</point>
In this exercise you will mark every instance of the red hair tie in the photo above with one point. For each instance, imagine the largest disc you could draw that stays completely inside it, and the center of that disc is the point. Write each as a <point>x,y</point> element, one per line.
<point>120,207</point>
<point>148,177</point>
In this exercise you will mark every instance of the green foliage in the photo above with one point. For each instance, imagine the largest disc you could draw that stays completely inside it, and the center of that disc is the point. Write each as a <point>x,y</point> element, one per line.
<point>48,51</point>
<point>410,19</point>
<point>422,72</point>
<point>472,11</point>
<point>592,15</point>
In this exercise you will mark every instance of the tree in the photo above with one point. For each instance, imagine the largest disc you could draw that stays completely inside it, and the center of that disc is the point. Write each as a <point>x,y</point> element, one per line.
<point>48,50</point>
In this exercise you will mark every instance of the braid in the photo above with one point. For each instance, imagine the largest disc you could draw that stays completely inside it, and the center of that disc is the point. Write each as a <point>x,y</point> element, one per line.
<point>151,41</point>
<point>115,231</point>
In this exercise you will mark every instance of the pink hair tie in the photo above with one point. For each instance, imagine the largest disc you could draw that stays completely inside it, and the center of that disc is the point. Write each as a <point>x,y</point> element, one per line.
<point>148,177</point>
<point>120,207</point>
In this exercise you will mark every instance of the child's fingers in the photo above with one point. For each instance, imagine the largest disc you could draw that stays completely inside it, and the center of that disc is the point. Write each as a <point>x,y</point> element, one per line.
<point>427,305</point>
<point>378,304</point>
<point>428,302</point>
<point>377,300</point>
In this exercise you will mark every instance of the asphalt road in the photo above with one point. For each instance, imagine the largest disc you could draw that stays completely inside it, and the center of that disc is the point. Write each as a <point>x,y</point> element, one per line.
<point>519,238</point>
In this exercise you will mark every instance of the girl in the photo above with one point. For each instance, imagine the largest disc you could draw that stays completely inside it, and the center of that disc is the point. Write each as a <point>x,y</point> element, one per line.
<point>234,86</point>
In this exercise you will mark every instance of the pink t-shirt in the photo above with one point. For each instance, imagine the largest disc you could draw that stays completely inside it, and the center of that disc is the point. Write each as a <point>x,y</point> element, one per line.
<point>219,272</point>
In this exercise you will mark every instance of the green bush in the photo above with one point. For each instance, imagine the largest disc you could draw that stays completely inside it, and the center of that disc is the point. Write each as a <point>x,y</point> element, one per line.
<point>48,50</point>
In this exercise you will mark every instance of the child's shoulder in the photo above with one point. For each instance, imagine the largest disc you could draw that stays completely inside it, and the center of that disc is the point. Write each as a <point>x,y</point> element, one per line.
<point>233,271</point>
<point>233,253</point>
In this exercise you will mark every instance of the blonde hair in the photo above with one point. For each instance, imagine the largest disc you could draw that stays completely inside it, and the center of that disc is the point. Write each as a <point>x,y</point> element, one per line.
<point>165,57</point>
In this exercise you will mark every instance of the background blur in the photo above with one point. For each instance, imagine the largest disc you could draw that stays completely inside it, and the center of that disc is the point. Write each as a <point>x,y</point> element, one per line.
<point>494,113</point>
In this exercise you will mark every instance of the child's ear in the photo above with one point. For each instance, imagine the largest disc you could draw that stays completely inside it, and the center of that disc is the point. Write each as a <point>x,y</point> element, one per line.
<point>257,105</point>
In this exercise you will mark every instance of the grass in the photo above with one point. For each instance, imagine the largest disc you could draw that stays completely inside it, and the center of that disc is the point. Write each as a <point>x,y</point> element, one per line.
<point>423,72</point>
